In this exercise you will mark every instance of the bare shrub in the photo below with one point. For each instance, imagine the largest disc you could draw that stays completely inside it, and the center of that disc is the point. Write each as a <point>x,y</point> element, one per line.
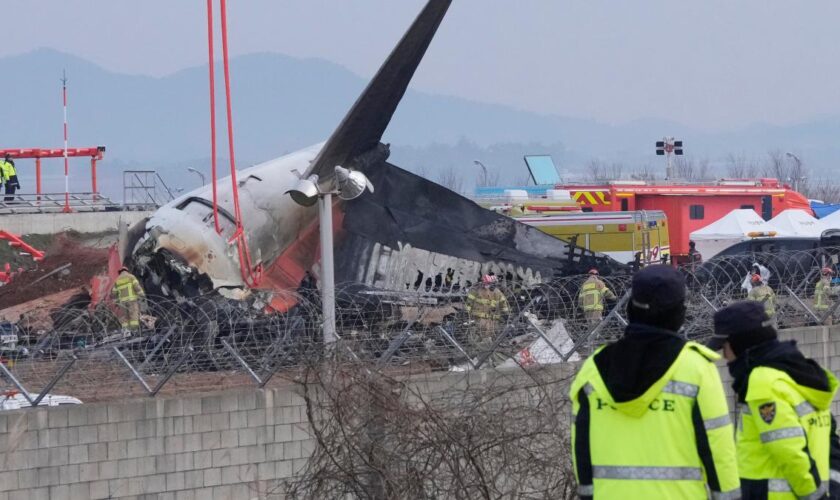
<point>599,171</point>
<point>691,169</point>
<point>740,167</point>
<point>450,179</point>
<point>496,435</point>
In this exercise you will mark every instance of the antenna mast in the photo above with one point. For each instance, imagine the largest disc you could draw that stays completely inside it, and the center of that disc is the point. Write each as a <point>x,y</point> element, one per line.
<point>67,208</point>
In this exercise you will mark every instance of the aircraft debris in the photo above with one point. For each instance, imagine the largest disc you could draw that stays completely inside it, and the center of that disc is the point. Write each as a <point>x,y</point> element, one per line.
<point>409,234</point>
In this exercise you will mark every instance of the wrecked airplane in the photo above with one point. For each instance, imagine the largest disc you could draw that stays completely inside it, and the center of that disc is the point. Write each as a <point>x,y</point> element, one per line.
<point>410,234</point>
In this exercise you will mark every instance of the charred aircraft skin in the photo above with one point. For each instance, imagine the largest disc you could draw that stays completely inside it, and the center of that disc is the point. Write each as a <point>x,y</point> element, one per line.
<point>408,235</point>
<point>185,229</point>
<point>413,234</point>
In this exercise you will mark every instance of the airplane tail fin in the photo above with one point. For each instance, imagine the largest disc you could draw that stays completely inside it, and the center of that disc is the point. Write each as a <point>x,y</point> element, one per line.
<point>363,126</point>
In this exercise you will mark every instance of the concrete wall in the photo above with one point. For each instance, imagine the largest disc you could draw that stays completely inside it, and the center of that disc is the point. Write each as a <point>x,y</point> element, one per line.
<point>83,222</point>
<point>231,445</point>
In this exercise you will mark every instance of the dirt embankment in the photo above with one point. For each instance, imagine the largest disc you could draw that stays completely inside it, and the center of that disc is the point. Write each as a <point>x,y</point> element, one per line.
<point>85,262</point>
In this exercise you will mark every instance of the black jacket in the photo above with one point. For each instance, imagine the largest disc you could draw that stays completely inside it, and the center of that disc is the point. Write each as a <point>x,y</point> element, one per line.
<point>630,366</point>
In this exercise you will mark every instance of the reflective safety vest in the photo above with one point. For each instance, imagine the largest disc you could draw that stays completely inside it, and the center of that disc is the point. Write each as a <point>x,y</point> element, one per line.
<point>821,293</point>
<point>8,170</point>
<point>783,437</point>
<point>671,442</point>
<point>127,288</point>
<point>485,303</point>
<point>592,294</point>
<point>766,295</point>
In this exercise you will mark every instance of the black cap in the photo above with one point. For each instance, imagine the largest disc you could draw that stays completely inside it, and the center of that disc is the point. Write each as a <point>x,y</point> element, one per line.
<point>743,324</point>
<point>658,288</point>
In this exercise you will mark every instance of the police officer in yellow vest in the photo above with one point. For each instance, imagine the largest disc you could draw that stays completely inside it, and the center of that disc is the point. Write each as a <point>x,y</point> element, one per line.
<point>822,293</point>
<point>10,178</point>
<point>650,418</point>
<point>761,292</point>
<point>591,298</point>
<point>784,400</point>
<point>127,294</point>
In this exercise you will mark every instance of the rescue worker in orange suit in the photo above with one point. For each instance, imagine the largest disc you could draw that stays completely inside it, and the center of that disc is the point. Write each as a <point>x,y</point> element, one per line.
<point>593,293</point>
<point>649,415</point>
<point>488,307</point>
<point>784,433</point>
<point>128,295</point>
<point>823,292</point>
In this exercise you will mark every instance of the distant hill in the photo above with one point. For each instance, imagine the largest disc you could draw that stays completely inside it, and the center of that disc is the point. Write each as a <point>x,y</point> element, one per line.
<point>282,103</point>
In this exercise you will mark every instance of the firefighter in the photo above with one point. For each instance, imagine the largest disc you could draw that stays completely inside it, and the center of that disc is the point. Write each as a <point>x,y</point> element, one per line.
<point>591,298</point>
<point>10,178</point>
<point>650,418</point>
<point>127,294</point>
<point>761,292</point>
<point>487,306</point>
<point>822,293</point>
<point>784,404</point>
<point>694,257</point>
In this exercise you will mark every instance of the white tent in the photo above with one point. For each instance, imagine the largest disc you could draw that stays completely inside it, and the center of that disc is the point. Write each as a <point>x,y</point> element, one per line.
<point>832,220</point>
<point>736,226</point>
<point>798,223</point>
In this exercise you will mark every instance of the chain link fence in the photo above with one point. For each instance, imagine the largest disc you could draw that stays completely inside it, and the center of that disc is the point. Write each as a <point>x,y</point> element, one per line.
<point>210,343</point>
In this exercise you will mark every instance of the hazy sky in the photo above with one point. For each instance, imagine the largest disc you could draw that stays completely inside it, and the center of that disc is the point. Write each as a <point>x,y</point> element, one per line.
<point>715,64</point>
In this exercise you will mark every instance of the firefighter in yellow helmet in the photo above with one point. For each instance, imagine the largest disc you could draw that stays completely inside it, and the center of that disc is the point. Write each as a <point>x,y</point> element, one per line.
<point>784,405</point>
<point>488,308</point>
<point>591,298</point>
<point>823,292</point>
<point>761,292</point>
<point>650,418</point>
<point>127,294</point>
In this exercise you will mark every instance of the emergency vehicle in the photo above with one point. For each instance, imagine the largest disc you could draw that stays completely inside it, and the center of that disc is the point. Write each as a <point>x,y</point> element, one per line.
<point>625,236</point>
<point>688,206</point>
<point>620,235</point>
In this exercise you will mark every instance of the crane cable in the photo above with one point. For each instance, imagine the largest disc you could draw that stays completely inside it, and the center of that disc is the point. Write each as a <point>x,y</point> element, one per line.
<point>212,114</point>
<point>251,275</point>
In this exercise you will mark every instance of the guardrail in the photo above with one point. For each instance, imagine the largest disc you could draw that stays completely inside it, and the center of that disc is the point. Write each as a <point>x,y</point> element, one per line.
<point>55,202</point>
<point>210,342</point>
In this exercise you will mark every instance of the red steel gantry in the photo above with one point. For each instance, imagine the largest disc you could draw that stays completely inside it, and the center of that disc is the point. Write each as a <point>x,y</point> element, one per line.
<point>95,153</point>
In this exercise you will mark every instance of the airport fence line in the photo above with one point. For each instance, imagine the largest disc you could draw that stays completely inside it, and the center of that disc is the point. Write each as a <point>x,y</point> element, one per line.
<point>208,343</point>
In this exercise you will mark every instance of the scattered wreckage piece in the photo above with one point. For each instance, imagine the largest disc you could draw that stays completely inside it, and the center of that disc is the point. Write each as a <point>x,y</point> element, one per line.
<point>11,400</point>
<point>68,264</point>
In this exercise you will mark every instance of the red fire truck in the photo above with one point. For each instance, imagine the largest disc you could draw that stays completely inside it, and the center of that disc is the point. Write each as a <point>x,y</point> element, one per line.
<point>687,206</point>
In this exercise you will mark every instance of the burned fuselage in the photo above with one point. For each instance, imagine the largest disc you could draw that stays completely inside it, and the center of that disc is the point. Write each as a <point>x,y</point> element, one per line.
<point>409,235</point>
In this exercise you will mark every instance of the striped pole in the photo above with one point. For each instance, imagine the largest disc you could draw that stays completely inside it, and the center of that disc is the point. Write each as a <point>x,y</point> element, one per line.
<point>66,158</point>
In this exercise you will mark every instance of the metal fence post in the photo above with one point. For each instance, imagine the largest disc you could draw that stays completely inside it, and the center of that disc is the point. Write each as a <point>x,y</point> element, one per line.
<point>621,303</point>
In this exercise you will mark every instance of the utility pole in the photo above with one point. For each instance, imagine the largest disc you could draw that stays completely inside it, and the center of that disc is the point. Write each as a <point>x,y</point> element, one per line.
<point>797,177</point>
<point>669,147</point>
<point>483,170</point>
<point>198,173</point>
